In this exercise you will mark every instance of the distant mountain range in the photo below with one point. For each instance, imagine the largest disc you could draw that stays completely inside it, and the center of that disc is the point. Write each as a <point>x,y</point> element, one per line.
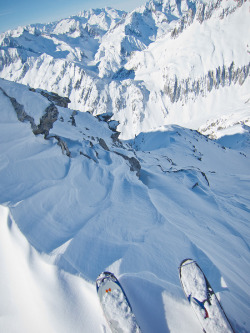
<point>170,61</point>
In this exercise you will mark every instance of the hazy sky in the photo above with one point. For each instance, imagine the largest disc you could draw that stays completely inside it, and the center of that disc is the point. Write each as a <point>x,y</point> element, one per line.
<point>14,13</point>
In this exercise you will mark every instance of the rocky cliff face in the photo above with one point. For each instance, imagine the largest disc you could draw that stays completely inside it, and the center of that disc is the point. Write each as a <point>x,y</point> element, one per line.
<point>135,65</point>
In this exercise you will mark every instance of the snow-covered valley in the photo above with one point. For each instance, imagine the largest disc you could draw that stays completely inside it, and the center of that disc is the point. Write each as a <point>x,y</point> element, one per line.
<point>78,198</point>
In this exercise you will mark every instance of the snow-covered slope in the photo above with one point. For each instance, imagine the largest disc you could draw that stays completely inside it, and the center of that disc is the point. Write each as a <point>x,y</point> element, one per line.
<point>203,71</point>
<point>87,202</point>
<point>183,62</point>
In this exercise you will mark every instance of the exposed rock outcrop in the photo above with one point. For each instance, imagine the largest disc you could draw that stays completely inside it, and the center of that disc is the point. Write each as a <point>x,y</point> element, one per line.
<point>54,98</point>
<point>20,111</point>
<point>134,163</point>
<point>46,121</point>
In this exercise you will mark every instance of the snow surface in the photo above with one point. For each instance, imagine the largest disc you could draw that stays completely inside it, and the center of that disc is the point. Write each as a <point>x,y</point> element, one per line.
<point>66,219</point>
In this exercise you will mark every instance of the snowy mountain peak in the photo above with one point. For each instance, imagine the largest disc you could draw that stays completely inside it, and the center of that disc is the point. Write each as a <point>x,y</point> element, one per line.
<point>159,64</point>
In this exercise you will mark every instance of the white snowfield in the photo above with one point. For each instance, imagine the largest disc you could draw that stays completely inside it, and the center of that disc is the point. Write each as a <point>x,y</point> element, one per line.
<point>66,219</point>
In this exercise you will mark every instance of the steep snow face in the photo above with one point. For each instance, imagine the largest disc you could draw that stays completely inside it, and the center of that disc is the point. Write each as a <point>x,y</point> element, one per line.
<point>36,296</point>
<point>139,29</point>
<point>203,72</point>
<point>88,202</point>
<point>200,49</point>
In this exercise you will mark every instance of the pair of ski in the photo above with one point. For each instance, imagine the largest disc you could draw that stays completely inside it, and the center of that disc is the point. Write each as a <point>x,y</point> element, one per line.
<point>121,319</point>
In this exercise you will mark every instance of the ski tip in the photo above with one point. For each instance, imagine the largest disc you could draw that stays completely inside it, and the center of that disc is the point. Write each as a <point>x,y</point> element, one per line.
<point>103,276</point>
<point>186,261</point>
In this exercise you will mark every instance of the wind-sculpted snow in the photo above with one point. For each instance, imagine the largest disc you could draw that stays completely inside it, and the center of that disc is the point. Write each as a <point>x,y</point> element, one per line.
<point>91,211</point>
